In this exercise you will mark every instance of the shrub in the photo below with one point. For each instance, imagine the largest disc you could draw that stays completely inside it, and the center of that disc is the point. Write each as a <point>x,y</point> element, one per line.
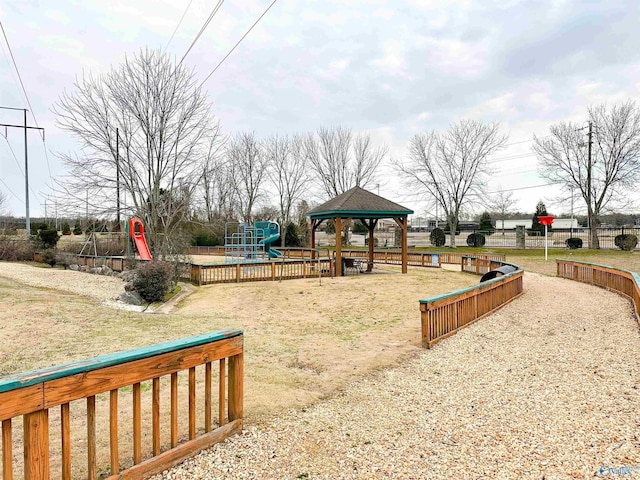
<point>626,241</point>
<point>437,237</point>
<point>573,243</point>
<point>486,224</point>
<point>153,280</point>
<point>476,240</point>
<point>65,259</point>
<point>48,238</point>
<point>66,230</point>
<point>77,229</point>
<point>49,257</point>
<point>16,250</point>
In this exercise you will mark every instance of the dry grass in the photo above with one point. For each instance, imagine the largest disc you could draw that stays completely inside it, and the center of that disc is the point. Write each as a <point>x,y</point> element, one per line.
<point>304,340</point>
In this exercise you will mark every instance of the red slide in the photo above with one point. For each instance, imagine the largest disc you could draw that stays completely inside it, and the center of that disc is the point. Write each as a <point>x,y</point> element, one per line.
<point>138,238</point>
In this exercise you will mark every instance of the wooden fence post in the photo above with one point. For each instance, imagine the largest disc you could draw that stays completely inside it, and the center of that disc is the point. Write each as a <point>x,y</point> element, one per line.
<point>36,445</point>
<point>236,389</point>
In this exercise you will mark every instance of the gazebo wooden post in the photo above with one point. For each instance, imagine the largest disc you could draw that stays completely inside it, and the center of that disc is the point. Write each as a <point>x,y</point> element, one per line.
<point>371,226</point>
<point>402,223</point>
<point>338,224</point>
<point>405,259</point>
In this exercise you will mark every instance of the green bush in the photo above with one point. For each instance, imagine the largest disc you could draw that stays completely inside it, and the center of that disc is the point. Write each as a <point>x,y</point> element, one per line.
<point>66,229</point>
<point>437,237</point>
<point>626,242</point>
<point>49,257</point>
<point>476,240</point>
<point>77,229</point>
<point>486,224</point>
<point>153,280</point>
<point>573,243</point>
<point>48,238</point>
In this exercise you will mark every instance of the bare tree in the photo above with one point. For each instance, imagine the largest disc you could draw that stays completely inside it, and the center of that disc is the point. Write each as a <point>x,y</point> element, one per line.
<point>342,160</point>
<point>217,190</point>
<point>247,170</point>
<point>289,174</point>
<point>502,204</point>
<point>450,165</point>
<point>601,163</point>
<point>162,119</point>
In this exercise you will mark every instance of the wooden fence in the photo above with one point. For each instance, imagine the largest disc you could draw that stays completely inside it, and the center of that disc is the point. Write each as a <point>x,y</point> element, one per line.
<point>261,271</point>
<point>419,259</point>
<point>443,315</point>
<point>479,265</point>
<point>117,264</point>
<point>620,281</point>
<point>33,395</point>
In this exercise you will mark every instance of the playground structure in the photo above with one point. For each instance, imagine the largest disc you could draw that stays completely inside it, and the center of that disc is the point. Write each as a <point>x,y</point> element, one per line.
<point>244,243</point>
<point>134,231</point>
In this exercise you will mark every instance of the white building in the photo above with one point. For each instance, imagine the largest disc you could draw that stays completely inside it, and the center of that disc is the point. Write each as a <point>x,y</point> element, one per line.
<point>558,223</point>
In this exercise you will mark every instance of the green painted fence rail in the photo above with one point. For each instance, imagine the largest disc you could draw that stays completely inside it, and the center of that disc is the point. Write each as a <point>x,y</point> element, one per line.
<point>623,282</point>
<point>444,315</point>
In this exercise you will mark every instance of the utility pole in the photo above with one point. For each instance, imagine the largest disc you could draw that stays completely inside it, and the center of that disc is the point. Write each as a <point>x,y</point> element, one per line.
<point>118,180</point>
<point>26,162</point>
<point>589,208</point>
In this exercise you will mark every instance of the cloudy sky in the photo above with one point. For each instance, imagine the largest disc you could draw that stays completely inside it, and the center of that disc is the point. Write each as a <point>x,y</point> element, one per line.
<point>390,68</point>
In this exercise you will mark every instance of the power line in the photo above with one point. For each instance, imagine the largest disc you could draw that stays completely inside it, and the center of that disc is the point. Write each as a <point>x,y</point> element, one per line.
<point>178,26</point>
<point>522,188</point>
<point>204,27</point>
<point>20,167</point>
<point>11,191</point>
<point>239,41</point>
<point>24,91</point>
<point>15,65</point>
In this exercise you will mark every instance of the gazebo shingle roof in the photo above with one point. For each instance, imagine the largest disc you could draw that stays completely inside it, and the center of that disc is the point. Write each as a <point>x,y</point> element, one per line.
<point>359,203</point>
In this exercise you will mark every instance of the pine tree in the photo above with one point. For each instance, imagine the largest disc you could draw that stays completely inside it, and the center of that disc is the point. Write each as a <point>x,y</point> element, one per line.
<point>541,211</point>
<point>486,224</point>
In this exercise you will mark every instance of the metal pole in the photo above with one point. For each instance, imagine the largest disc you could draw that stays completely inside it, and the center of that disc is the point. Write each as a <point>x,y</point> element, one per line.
<point>118,180</point>
<point>571,211</point>
<point>26,177</point>
<point>545,243</point>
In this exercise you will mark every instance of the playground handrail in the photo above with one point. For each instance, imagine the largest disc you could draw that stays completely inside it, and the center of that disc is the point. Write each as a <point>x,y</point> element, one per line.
<point>444,315</point>
<point>623,282</point>
<point>33,394</point>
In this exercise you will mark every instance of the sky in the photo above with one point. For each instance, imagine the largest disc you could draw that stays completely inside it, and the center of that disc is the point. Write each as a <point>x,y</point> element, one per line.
<point>392,69</point>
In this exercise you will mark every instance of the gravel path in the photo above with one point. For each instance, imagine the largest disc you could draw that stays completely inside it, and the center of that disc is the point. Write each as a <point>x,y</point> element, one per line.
<point>546,388</point>
<point>101,288</point>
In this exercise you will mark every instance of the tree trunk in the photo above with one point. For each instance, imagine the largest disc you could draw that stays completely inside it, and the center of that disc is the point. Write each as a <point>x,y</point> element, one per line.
<point>452,232</point>
<point>594,242</point>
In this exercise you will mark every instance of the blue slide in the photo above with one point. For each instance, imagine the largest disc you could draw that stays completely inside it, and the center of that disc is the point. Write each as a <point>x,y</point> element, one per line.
<point>271,235</point>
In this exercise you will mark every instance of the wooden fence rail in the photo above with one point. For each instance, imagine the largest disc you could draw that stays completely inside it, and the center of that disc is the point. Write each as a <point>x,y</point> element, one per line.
<point>33,395</point>
<point>617,280</point>
<point>419,259</point>
<point>443,315</point>
<point>260,271</point>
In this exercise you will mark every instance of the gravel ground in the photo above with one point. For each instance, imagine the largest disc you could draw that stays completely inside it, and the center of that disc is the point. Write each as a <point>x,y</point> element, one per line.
<point>546,388</point>
<point>101,288</point>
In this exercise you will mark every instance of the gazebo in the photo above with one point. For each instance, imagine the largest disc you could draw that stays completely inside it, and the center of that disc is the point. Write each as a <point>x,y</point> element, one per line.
<point>359,204</point>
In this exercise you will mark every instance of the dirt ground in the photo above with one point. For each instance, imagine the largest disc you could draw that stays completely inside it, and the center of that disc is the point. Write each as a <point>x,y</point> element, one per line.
<point>304,339</point>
